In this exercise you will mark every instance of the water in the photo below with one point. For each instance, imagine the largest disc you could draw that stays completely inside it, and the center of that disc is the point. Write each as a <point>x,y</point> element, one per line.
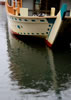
<point>32,71</point>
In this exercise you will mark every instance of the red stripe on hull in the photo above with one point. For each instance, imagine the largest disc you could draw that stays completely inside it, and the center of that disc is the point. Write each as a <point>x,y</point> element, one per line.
<point>14,32</point>
<point>48,43</point>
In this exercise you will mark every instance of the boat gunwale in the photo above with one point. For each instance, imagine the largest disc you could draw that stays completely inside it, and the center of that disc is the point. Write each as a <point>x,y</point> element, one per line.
<point>31,17</point>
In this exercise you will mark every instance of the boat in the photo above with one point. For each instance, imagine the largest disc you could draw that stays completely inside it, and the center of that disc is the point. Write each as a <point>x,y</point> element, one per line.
<point>46,26</point>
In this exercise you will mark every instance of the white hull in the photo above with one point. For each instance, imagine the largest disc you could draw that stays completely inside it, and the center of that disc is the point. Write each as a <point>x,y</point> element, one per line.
<point>33,26</point>
<point>46,27</point>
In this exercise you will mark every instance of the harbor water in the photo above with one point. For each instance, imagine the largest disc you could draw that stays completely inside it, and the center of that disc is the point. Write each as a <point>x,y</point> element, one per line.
<point>29,70</point>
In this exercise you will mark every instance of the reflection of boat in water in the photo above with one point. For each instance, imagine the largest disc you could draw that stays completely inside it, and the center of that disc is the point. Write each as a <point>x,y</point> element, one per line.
<point>29,65</point>
<point>46,27</point>
<point>37,70</point>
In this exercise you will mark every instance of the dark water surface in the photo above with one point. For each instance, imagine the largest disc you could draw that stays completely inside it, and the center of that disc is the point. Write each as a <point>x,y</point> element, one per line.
<point>32,71</point>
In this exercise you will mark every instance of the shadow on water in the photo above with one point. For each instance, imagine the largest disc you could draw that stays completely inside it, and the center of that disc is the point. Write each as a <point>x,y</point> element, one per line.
<point>30,40</point>
<point>63,40</point>
<point>38,70</point>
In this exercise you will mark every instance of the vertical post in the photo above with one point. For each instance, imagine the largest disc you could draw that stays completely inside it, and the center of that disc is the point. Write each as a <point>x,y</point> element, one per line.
<point>18,7</point>
<point>40,6</point>
<point>13,3</point>
<point>46,5</point>
<point>52,11</point>
<point>13,6</point>
<point>21,3</point>
<point>33,6</point>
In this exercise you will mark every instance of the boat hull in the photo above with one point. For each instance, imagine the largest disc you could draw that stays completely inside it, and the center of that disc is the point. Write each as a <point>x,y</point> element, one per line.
<point>46,27</point>
<point>37,27</point>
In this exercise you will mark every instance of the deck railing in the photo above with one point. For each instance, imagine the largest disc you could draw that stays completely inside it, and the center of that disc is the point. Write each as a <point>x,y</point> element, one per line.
<point>13,9</point>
